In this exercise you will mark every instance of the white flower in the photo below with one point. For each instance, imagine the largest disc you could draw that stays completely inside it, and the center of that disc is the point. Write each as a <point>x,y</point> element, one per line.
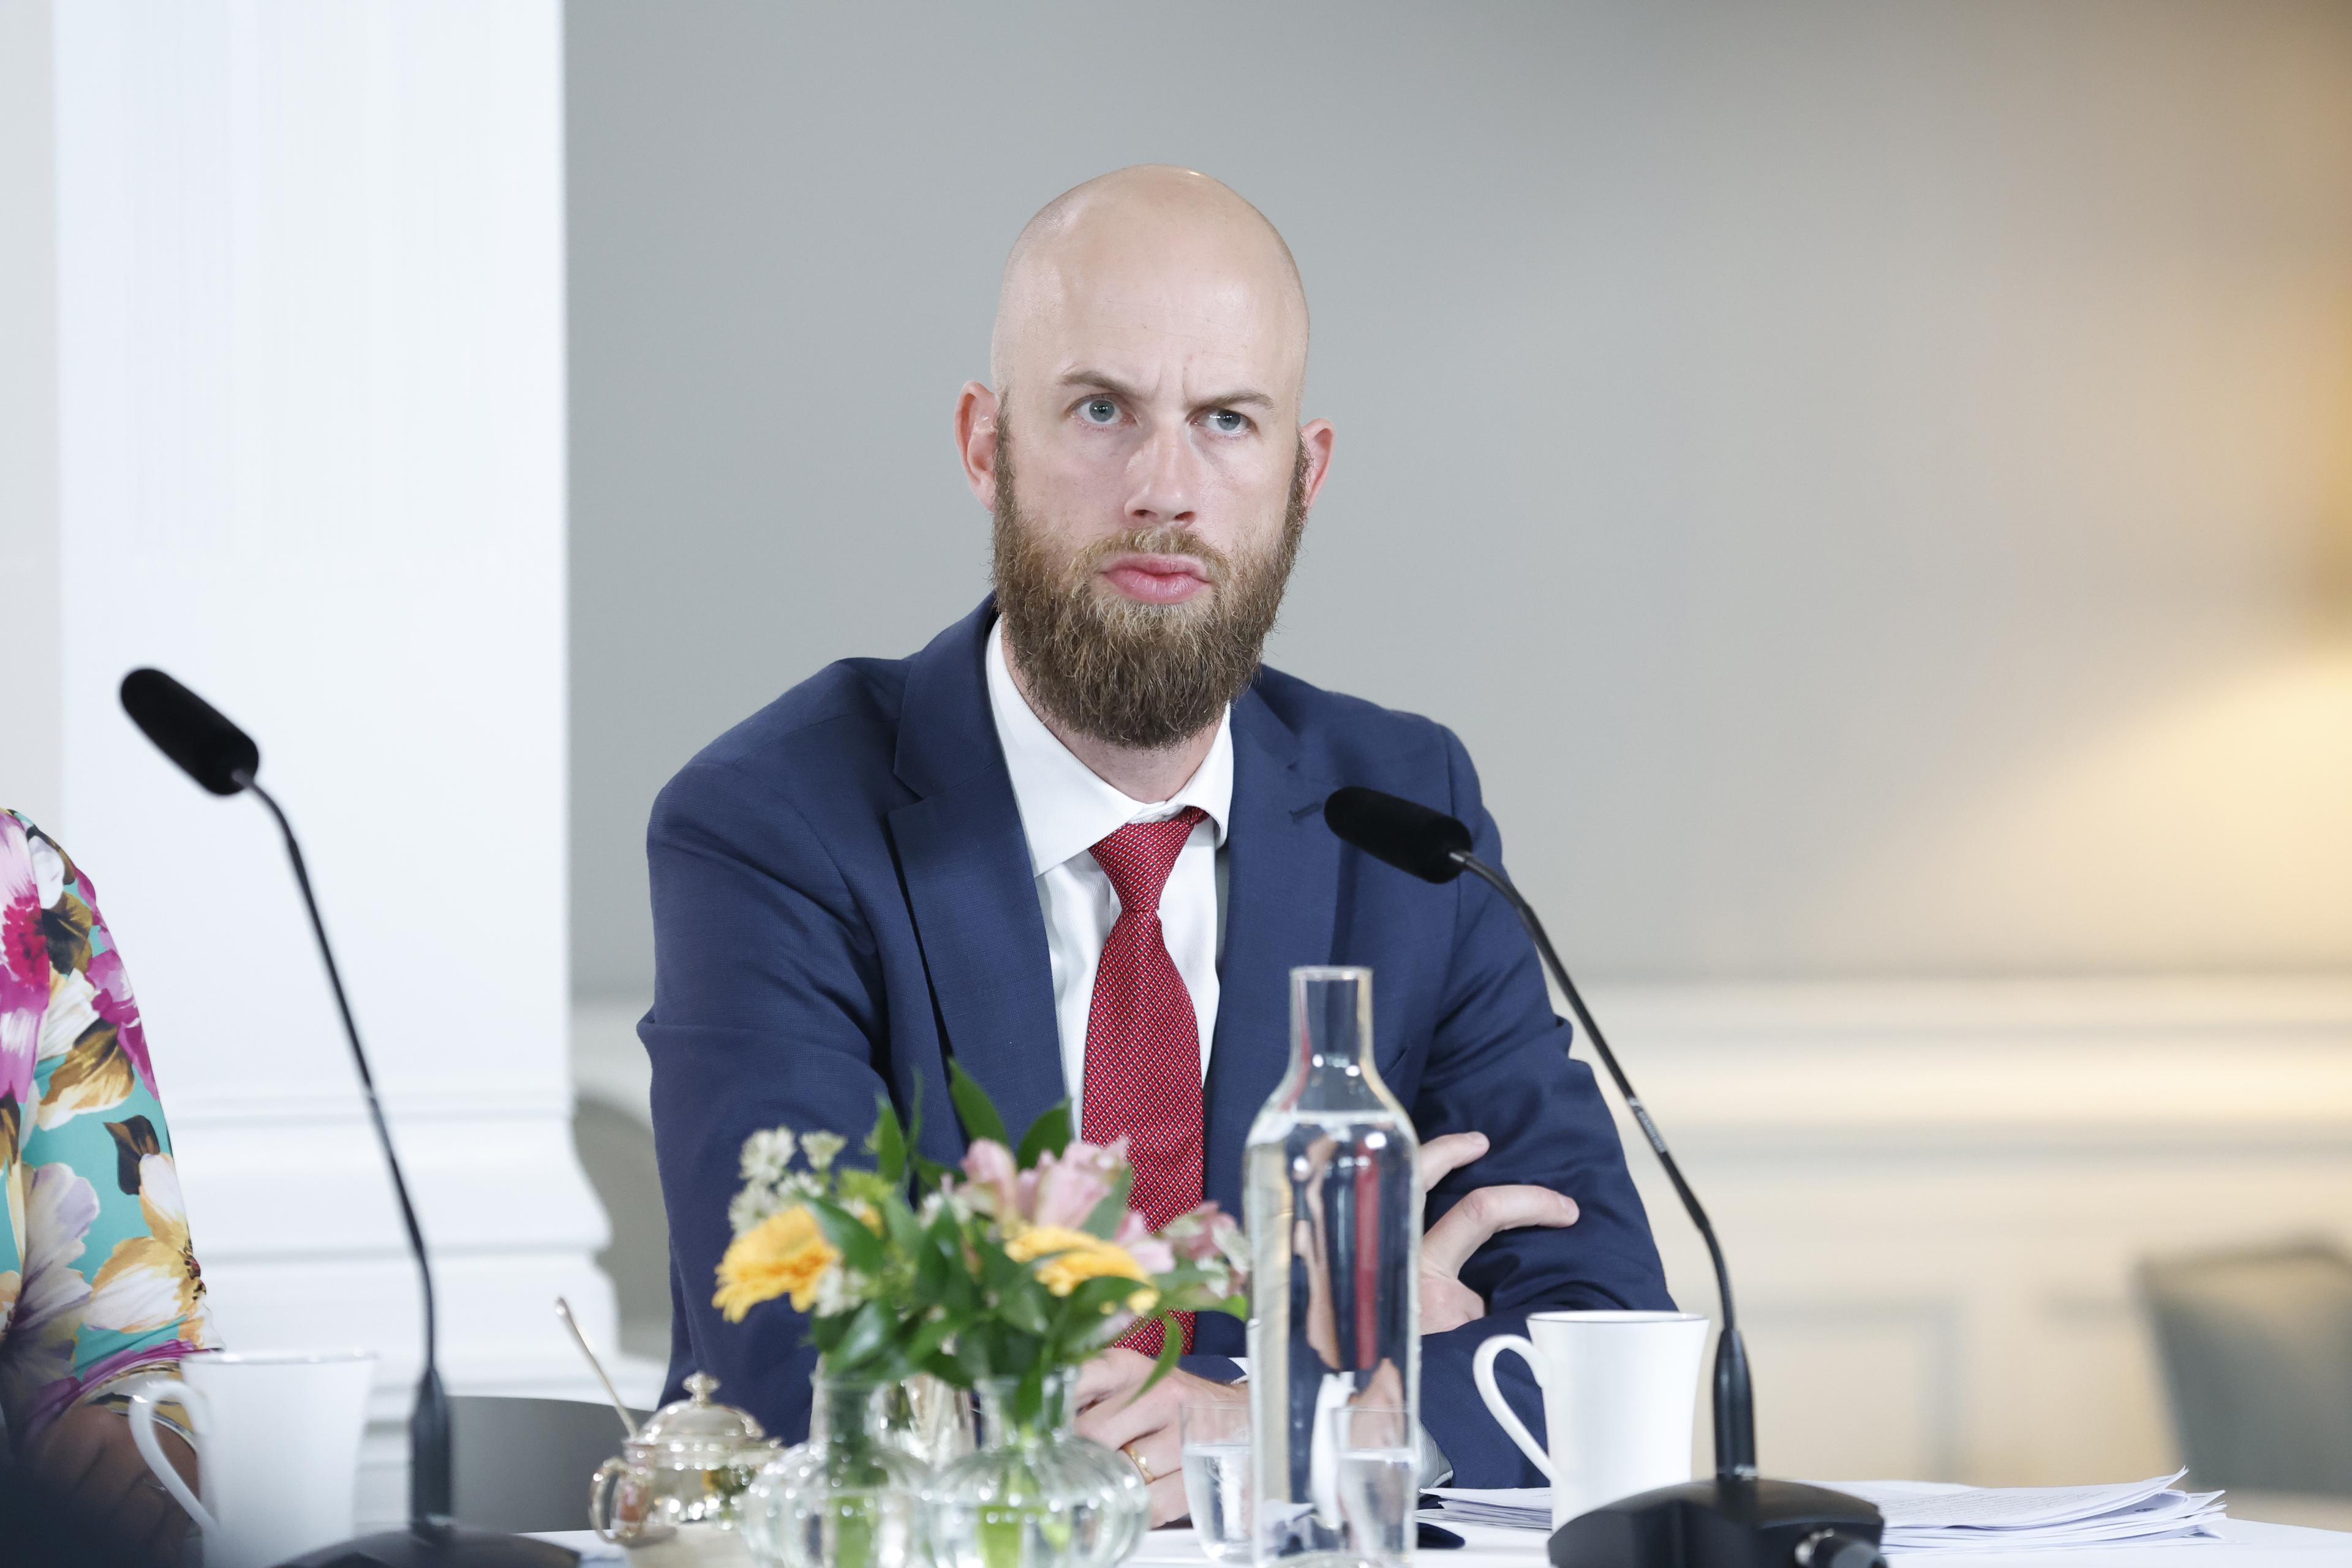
<point>72,1009</point>
<point>832,1294</point>
<point>821,1147</point>
<point>752,1205</point>
<point>46,1301</point>
<point>766,1155</point>
<point>49,869</point>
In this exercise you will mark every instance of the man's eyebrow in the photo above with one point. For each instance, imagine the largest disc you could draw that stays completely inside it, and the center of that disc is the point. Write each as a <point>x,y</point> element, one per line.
<point>1083,376</point>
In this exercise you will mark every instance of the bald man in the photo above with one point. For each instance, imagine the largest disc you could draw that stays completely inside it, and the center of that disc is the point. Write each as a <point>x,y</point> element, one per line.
<point>961,853</point>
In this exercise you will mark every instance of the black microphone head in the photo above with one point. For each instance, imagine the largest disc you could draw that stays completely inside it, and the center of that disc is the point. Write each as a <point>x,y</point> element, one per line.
<point>191,731</point>
<point>1406,835</point>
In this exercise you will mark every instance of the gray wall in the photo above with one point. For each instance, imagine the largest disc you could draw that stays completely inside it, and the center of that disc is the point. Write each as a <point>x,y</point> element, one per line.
<point>1871,484</point>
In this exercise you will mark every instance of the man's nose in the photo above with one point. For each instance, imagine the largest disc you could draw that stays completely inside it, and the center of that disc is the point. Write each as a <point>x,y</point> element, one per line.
<point>1166,474</point>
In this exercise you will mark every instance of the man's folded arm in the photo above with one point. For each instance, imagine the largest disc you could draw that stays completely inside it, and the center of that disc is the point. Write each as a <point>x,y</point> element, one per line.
<point>767,1011</point>
<point>1499,1064</point>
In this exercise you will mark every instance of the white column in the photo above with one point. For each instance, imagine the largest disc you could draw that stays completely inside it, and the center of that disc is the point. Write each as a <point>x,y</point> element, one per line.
<point>311,423</point>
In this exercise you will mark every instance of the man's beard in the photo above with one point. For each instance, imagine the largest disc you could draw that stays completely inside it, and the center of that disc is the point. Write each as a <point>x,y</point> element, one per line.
<point>1121,671</point>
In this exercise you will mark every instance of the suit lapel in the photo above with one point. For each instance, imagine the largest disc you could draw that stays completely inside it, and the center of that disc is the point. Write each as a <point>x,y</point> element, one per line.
<point>969,886</point>
<point>1281,906</point>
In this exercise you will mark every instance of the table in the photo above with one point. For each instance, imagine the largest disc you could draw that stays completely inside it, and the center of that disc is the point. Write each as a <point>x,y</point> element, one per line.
<point>2245,1544</point>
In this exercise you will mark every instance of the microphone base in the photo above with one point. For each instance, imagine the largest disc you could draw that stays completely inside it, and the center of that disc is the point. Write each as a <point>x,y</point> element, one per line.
<point>451,1546</point>
<point>1720,1524</point>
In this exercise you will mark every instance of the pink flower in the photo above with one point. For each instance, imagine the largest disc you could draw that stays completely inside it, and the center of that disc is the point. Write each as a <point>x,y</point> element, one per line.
<point>24,988</point>
<point>114,1003</point>
<point>1153,1255</point>
<point>23,953</point>
<point>988,1163</point>
<point>1069,1187</point>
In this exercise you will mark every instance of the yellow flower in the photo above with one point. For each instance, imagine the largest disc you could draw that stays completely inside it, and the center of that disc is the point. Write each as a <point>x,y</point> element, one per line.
<point>1078,1257</point>
<point>783,1252</point>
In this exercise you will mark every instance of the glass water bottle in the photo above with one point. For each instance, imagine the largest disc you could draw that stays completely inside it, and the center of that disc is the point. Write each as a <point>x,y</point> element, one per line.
<point>1332,1191</point>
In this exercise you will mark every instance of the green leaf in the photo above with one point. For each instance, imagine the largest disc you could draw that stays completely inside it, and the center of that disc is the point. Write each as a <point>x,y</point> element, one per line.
<point>888,1141</point>
<point>977,1111</point>
<point>1029,1398</point>
<point>1093,1298</point>
<point>860,1247</point>
<point>1023,1303</point>
<point>869,1332</point>
<point>1171,1351</point>
<point>826,1333</point>
<point>927,1337</point>
<point>1104,1221</point>
<point>1049,1134</point>
<point>929,1174</point>
<point>906,1231</point>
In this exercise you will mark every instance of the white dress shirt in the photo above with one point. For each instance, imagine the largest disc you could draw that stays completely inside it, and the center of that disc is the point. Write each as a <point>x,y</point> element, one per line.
<point>1065,810</point>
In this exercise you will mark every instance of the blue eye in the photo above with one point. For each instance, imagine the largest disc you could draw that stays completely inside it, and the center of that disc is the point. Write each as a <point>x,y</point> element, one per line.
<point>1098,411</point>
<point>1225,422</point>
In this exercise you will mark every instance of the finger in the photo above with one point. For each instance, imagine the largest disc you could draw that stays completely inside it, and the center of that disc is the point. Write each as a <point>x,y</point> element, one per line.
<point>1447,1303</point>
<point>1469,1225</point>
<point>1116,1422</point>
<point>1448,1153</point>
<point>1115,1371</point>
<point>1168,1501</point>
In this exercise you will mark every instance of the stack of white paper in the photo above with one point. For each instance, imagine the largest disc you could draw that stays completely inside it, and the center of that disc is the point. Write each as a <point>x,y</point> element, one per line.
<point>1927,1516</point>
<point>1513,1507</point>
<point>1935,1516</point>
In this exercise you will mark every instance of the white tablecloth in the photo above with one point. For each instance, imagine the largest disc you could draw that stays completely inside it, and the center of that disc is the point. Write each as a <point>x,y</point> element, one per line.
<point>2245,1544</point>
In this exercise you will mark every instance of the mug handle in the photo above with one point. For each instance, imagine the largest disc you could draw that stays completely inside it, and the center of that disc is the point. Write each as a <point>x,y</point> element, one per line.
<point>145,1398</point>
<point>1483,1368</point>
<point>601,1516</point>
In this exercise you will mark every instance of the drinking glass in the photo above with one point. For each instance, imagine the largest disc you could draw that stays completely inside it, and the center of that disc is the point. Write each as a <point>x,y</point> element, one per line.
<point>1378,1463</point>
<point>1216,1440</point>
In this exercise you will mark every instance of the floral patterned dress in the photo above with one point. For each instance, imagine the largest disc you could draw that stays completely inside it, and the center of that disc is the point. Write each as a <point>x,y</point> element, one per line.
<point>96,1278</point>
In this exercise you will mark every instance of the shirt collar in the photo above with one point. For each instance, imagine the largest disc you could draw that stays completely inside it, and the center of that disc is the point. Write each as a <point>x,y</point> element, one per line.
<point>1065,807</point>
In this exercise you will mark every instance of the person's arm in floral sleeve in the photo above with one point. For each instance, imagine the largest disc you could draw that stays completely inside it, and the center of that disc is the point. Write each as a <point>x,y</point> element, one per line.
<point>98,1280</point>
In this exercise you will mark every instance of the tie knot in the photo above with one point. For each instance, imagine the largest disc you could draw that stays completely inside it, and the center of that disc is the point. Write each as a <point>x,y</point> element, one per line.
<point>1138,857</point>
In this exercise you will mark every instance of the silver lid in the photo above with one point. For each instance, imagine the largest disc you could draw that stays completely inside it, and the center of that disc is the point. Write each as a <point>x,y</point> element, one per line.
<point>696,1433</point>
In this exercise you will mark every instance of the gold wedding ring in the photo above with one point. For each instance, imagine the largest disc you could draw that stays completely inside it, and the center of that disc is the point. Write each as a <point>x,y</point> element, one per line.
<point>1137,1460</point>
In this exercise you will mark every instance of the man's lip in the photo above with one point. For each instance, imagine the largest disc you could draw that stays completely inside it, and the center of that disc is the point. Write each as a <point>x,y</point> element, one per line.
<point>1157,579</point>
<point>1160,565</point>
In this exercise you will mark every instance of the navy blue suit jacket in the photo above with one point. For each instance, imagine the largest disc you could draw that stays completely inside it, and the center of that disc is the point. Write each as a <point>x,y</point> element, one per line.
<point>842,899</point>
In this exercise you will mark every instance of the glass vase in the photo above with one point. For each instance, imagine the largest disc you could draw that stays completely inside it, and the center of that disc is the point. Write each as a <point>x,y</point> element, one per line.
<point>850,1497</point>
<point>1034,1494</point>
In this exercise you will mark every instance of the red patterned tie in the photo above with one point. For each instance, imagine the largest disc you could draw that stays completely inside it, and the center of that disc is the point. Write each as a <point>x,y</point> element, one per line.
<point>1143,1042</point>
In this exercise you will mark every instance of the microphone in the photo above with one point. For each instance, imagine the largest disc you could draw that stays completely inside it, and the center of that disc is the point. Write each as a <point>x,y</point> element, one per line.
<point>1735,1521</point>
<point>224,759</point>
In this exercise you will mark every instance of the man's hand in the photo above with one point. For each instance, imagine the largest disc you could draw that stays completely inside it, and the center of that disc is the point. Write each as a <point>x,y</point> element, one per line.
<point>1445,1301</point>
<point>1110,1413</point>
<point>88,1470</point>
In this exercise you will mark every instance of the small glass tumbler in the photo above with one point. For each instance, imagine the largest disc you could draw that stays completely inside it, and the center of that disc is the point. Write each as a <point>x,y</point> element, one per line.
<point>1377,1459</point>
<point>1217,1439</point>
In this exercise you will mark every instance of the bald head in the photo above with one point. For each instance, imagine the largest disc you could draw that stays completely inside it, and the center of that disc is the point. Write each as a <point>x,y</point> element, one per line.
<point>1170,250</point>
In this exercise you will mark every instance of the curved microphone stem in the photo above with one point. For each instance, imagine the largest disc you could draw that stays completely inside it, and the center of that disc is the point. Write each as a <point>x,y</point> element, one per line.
<point>1735,1413</point>
<point>429,1477</point>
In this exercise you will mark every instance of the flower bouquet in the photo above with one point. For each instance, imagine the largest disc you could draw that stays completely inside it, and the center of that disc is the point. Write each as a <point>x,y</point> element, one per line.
<point>1002,1276</point>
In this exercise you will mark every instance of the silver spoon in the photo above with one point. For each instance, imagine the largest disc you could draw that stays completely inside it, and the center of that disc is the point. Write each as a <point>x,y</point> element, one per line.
<point>563,1311</point>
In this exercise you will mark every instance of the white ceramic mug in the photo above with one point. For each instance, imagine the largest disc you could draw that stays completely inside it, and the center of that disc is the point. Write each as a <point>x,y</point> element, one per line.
<point>278,1448</point>
<point>1619,1391</point>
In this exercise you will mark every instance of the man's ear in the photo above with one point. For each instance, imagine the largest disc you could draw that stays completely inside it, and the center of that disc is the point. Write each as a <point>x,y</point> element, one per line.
<point>1316,438</point>
<point>975,438</point>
